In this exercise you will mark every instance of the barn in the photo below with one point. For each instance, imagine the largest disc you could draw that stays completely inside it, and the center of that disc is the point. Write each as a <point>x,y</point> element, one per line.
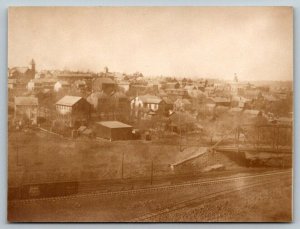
<point>113,130</point>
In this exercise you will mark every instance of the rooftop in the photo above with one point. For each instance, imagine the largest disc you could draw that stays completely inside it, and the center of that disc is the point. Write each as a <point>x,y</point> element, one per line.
<point>26,101</point>
<point>104,80</point>
<point>235,109</point>
<point>62,82</point>
<point>220,100</point>
<point>75,75</point>
<point>68,100</point>
<point>252,112</point>
<point>114,124</point>
<point>19,69</point>
<point>150,99</point>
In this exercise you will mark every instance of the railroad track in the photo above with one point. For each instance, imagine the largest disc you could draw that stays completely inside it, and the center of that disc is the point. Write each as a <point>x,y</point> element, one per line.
<point>152,189</point>
<point>126,184</point>
<point>196,201</point>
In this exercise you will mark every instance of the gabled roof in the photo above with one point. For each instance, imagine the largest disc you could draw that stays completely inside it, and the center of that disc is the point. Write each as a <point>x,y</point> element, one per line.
<point>104,80</point>
<point>26,101</point>
<point>240,99</point>
<point>285,119</point>
<point>11,81</point>
<point>184,101</point>
<point>182,118</point>
<point>236,109</point>
<point>251,112</point>
<point>190,87</point>
<point>150,99</point>
<point>75,75</point>
<point>114,124</point>
<point>19,69</point>
<point>123,82</point>
<point>120,95</point>
<point>97,95</point>
<point>222,108</point>
<point>63,83</point>
<point>80,82</point>
<point>168,100</point>
<point>271,98</point>
<point>68,100</point>
<point>220,100</point>
<point>210,105</point>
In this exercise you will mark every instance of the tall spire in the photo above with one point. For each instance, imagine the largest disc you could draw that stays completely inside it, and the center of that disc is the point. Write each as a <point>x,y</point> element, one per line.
<point>32,67</point>
<point>235,78</point>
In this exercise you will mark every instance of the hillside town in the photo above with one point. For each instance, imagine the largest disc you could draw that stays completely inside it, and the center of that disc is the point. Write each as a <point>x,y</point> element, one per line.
<point>73,133</point>
<point>150,114</point>
<point>123,106</point>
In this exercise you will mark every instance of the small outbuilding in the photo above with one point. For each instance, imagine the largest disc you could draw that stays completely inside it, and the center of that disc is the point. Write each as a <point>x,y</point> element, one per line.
<point>26,110</point>
<point>113,130</point>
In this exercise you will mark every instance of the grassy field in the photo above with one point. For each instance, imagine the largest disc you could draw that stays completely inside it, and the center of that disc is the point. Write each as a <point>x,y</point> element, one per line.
<point>36,156</point>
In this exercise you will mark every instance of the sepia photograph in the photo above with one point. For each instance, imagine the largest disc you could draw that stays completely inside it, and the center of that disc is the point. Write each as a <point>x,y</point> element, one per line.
<point>150,114</point>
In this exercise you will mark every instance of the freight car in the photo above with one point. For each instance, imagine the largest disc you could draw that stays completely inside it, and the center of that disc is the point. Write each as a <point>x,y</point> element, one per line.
<point>43,190</point>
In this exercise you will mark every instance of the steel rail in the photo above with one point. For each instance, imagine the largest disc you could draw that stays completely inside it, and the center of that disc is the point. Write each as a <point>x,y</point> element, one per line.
<point>150,189</point>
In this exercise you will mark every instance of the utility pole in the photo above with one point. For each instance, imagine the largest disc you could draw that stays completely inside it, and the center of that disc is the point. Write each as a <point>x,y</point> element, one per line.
<point>238,138</point>
<point>122,170</point>
<point>274,138</point>
<point>151,172</point>
<point>258,129</point>
<point>277,141</point>
<point>180,140</point>
<point>17,153</point>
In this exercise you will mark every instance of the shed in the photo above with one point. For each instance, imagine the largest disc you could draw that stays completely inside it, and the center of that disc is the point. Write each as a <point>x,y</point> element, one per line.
<point>113,130</point>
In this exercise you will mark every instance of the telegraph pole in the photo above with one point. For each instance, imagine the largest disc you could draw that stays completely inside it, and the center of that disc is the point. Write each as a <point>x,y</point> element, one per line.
<point>151,172</point>
<point>238,138</point>
<point>180,139</point>
<point>122,170</point>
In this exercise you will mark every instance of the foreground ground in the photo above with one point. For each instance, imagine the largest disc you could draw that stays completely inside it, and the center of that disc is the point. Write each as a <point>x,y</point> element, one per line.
<point>39,157</point>
<point>262,197</point>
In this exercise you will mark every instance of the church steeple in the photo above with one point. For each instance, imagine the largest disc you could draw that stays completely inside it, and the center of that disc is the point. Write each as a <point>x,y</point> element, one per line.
<point>32,67</point>
<point>235,79</point>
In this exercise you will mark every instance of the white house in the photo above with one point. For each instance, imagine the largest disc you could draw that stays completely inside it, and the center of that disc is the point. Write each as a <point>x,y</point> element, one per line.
<point>146,103</point>
<point>59,85</point>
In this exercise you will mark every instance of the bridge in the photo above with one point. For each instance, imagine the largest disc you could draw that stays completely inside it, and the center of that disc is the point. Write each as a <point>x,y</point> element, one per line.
<point>248,138</point>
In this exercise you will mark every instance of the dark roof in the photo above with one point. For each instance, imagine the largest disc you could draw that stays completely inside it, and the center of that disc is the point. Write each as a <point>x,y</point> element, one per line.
<point>120,95</point>
<point>104,80</point>
<point>182,118</point>
<point>271,98</point>
<point>68,100</point>
<point>123,82</point>
<point>26,101</point>
<point>168,101</point>
<point>43,80</point>
<point>184,101</point>
<point>11,81</point>
<point>19,69</point>
<point>114,124</point>
<point>75,75</point>
<point>285,119</point>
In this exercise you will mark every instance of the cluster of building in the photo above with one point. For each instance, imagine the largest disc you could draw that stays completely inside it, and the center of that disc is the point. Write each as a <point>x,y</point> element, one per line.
<point>112,104</point>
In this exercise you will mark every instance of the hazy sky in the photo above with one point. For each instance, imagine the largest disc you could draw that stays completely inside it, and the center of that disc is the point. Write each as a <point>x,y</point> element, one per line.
<point>254,42</point>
